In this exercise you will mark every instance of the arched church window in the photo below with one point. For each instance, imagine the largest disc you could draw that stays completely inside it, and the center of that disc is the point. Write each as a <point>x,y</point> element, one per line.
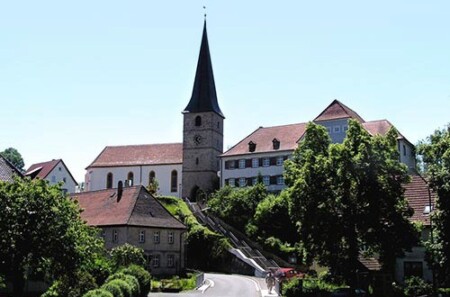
<point>130,179</point>
<point>151,177</point>
<point>109,180</point>
<point>198,121</point>
<point>173,181</point>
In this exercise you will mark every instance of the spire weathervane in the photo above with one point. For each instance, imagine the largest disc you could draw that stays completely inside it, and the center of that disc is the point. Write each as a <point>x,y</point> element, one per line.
<point>204,10</point>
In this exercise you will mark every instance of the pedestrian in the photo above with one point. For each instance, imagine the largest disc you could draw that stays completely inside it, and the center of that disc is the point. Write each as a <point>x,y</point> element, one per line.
<point>270,281</point>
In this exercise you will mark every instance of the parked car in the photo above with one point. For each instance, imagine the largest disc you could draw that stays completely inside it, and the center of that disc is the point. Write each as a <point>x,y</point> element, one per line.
<point>288,273</point>
<point>345,292</point>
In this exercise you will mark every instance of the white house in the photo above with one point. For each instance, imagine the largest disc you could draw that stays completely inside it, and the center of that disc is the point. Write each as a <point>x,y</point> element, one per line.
<point>264,150</point>
<point>137,165</point>
<point>54,171</point>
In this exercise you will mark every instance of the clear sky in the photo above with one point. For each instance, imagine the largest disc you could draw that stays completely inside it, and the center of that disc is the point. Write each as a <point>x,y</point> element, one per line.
<point>76,76</point>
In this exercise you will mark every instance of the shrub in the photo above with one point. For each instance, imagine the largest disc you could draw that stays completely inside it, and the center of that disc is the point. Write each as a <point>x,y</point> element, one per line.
<point>124,287</point>
<point>129,279</point>
<point>113,288</point>
<point>98,293</point>
<point>292,288</point>
<point>126,255</point>
<point>72,286</point>
<point>142,275</point>
<point>415,286</point>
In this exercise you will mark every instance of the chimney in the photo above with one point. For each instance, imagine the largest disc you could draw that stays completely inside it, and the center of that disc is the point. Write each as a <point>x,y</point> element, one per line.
<point>119,190</point>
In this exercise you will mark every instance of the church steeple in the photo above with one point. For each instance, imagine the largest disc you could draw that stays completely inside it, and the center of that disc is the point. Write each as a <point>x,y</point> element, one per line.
<point>204,97</point>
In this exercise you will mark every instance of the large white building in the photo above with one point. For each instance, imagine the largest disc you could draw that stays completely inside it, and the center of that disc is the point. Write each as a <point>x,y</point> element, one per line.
<point>264,150</point>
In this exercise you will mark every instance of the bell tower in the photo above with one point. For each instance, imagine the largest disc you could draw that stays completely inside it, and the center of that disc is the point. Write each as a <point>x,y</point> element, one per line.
<point>202,130</point>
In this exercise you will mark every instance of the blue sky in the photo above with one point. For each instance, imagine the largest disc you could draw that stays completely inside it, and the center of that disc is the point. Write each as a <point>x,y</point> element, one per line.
<point>77,76</point>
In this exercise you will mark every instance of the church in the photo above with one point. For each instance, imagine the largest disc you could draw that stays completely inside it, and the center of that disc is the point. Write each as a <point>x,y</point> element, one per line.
<point>178,169</point>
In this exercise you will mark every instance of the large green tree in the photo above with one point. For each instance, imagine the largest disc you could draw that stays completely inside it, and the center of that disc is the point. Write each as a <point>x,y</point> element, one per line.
<point>348,197</point>
<point>13,156</point>
<point>435,155</point>
<point>41,230</point>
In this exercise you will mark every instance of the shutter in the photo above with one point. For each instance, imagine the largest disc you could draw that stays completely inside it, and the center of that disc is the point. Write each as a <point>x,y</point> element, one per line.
<point>226,182</point>
<point>285,158</point>
<point>236,182</point>
<point>273,180</point>
<point>236,164</point>
<point>227,164</point>
<point>248,163</point>
<point>260,162</point>
<point>248,181</point>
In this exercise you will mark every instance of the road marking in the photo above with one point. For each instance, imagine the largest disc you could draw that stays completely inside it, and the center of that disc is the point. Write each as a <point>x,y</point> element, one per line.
<point>207,283</point>
<point>257,287</point>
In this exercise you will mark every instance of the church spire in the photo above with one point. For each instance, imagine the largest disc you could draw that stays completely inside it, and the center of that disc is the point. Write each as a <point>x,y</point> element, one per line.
<point>204,97</point>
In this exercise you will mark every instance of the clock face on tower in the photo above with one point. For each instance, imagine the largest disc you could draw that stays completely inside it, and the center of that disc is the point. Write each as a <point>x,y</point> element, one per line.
<point>197,139</point>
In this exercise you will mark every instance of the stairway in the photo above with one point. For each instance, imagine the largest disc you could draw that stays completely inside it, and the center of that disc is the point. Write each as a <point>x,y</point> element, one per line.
<point>243,247</point>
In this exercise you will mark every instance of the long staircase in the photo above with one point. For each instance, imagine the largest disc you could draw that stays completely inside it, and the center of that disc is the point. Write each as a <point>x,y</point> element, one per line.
<point>243,248</point>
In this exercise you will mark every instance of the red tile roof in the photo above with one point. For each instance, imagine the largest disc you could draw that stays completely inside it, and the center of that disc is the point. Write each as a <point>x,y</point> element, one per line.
<point>137,207</point>
<point>8,170</point>
<point>145,154</point>
<point>42,169</point>
<point>416,192</point>
<point>380,127</point>
<point>337,110</point>
<point>370,263</point>
<point>287,135</point>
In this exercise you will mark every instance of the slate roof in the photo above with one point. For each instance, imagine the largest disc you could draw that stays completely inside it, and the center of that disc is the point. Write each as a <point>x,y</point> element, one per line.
<point>8,170</point>
<point>337,110</point>
<point>204,96</point>
<point>137,207</point>
<point>43,169</point>
<point>145,154</point>
<point>287,135</point>
<point>416,192</point>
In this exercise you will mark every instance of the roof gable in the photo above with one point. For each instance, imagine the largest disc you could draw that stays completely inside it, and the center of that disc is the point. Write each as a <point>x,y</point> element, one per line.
<point>8,170</point>
<point>337,110</point>
<point>146,154</point>
<point>41,170</point>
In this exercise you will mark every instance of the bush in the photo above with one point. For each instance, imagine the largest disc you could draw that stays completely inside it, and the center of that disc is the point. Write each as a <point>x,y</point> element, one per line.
<point>98,293</point>
<point>72,286</point>
<point>142,275</point>
<point>125,255</point>
<point>292,288</point>
<point>129,279</point>
<point>415,286</point>
<point>124,287</point>
<point>113,288</point>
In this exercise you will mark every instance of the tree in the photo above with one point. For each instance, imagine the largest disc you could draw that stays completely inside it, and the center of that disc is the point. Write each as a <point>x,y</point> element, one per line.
<point>435,155</point>
<point>346,197</point>
<point>13,156</point>
<point>42,231</point>
<point>126,255</point>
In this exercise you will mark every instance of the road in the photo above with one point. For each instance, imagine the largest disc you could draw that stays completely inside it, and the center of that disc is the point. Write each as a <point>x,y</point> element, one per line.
<point>224,285</point>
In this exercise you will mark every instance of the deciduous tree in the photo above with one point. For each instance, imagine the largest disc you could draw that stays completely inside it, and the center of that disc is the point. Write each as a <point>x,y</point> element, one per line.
<point>13,156</point>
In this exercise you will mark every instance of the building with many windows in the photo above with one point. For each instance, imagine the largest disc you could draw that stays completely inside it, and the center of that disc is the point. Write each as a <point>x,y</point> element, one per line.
<point>132,215</point>
<point>263,152</point>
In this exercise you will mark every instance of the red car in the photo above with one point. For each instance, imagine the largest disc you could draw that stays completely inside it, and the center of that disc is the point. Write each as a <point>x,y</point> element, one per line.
<point>288,273</point>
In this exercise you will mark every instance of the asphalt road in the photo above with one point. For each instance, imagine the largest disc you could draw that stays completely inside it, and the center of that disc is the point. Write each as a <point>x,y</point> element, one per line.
<point>223,285</point>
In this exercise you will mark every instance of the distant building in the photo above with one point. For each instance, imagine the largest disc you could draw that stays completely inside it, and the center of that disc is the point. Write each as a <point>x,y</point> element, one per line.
<point>137,165</point>
<point>264,150</point>
<point>54,171</point>
<point>8,170</point>
<point>132,215</point>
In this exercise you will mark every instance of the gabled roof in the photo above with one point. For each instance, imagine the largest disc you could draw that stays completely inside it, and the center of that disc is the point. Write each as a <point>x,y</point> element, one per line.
<point>287,135</point>
<point>43,169</point>
<point>145,154</point>
<point>380,127</point>
<point>136,207</point>
<point>417,192</point>
<point>337,110</point>
<point>8,170</point>
<point>204,96</point>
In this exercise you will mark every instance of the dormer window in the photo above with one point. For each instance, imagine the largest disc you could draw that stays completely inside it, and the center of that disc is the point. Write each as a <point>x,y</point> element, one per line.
<point>427,209</point>
<point>251,146</point>
<point>276,144</point>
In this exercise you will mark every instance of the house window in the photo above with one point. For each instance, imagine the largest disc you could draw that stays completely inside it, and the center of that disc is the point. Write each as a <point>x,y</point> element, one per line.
<point>251,146</point>
<point>59,168</point>
<point>64,179</point>
<point>130,179</point>
<point>155,260</point>
<point>151,177</point>
<point>231,182</point>
<point>254,180</point>
<point>266,180</point>
<point>103,235</point>
<point>255,162</point>
<point>329,130</point>
<point>344,128</point>
<point>337,129</point>
<point>412,268</point>
<point>53,179</point>
<point>242,182</point>
<point>115,236</point>
<point>266,162</point>
<point>156,237</point>
<point>279,161</point>
<point>241,164</point>
<point>170,237</point>
<point>109,180</point>
<point>142,236</point>
<point>173,181</point>
<point>280,180</point>
<point>170,260</point>
<point>404,150</point>
<point>198,121</point>
<point>276,144</point>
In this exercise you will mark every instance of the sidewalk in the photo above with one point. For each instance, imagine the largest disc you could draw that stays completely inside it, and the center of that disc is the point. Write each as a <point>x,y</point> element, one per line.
<point>265,293</point>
